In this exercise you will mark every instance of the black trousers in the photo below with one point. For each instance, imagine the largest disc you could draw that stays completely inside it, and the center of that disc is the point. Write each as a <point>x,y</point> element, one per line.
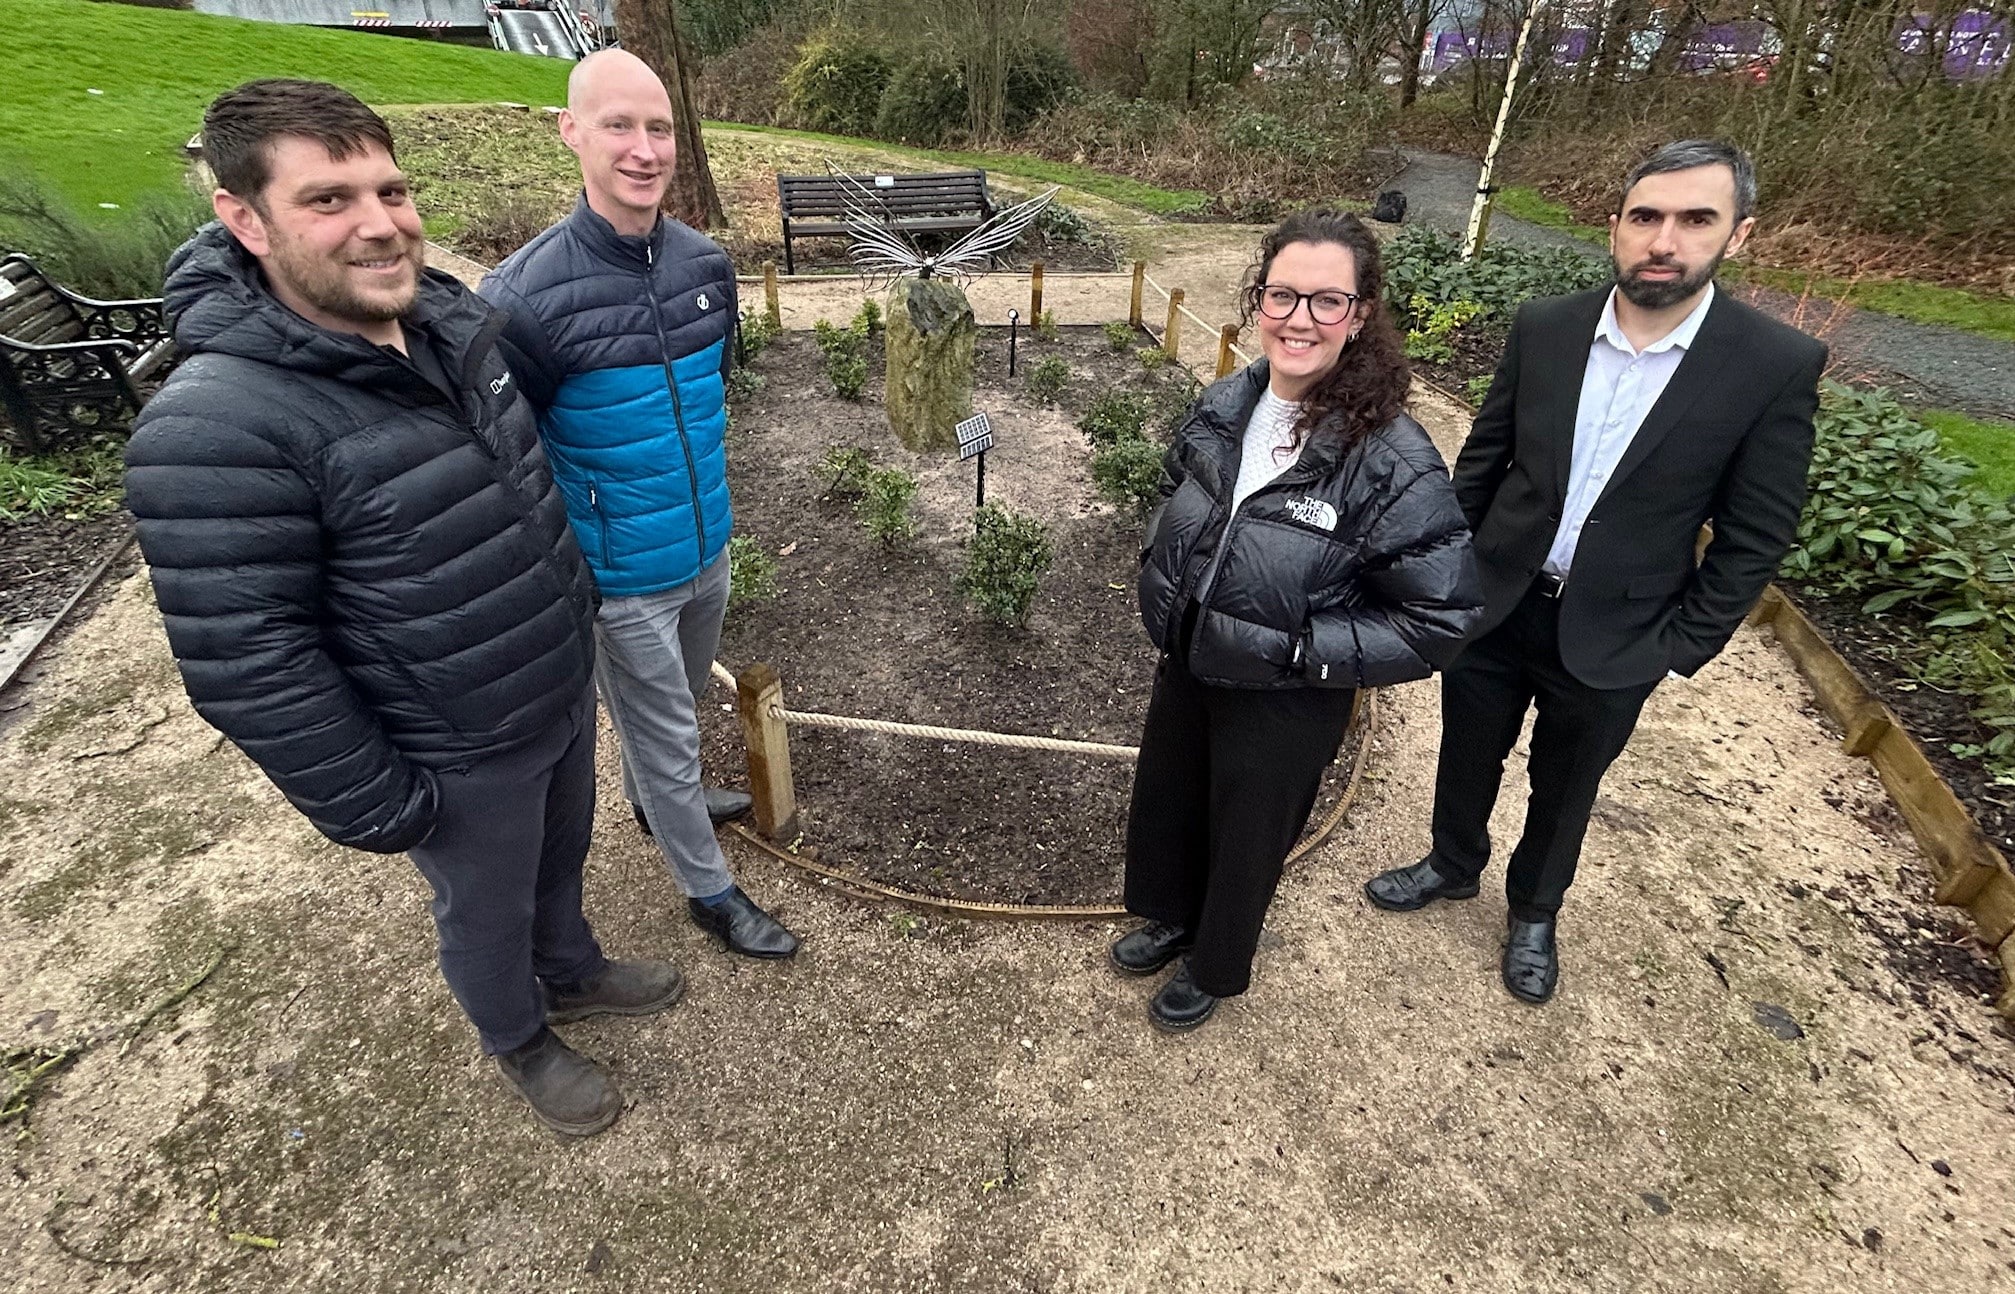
<point>505,863</point>
<point>1224,786</point>
<point>1579,732</point>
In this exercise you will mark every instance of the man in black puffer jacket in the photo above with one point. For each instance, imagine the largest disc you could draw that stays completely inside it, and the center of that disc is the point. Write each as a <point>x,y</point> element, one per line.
<point>367,573</point>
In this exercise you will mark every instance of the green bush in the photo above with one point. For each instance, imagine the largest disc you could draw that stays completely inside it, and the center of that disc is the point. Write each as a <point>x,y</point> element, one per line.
<point>117,258</point>
<point>925,102</point>
<point>868,319</point>
<point>1153,358</point>
<point>1039,78</point>
<point>1476,389</point>
<point>757,333</point>
<point>846,352</point>
<point>1047,378</point>
<point>884,505</point>
<point>743,382</point>
<point>1891,517</point>
<point>1004,563</point>
<point>32,489</point>
<point>1120,335</point>
<point>837,84</point>
<point>1424,271</point>
<point>1128,472</point>
<point>1060,225</point>
<point>1117,415</point>
<point>846,470</point>
<point>1432,337</point>
<point>752,572</point>
<point>1045,327</point>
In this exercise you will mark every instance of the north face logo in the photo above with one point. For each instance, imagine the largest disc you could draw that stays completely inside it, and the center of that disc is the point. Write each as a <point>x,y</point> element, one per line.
<point>1312,512</point>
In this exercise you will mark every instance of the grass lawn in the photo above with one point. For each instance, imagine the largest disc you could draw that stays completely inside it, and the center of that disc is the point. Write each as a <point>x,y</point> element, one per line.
<point>1974,312</point>
<point>1990,446</point>
<point>1526,203</point>
<point>98,98</point>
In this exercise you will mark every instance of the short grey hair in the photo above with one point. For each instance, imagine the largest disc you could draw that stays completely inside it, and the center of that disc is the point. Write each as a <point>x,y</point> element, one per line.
<point>1686,154</point>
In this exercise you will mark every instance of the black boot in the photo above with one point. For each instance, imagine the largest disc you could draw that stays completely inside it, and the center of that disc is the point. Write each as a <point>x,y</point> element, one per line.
<point>1148,949</point>
<point>1180,1005</point>
<point>569,1093</point>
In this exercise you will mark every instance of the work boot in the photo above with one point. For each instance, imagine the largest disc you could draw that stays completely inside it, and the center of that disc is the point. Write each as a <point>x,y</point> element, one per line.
<point>569,1092</point>
<point>622,988</point>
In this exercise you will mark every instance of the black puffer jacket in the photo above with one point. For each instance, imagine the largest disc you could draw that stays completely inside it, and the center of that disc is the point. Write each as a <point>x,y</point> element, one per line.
<point>362,580</point>
<point>1351,569</point>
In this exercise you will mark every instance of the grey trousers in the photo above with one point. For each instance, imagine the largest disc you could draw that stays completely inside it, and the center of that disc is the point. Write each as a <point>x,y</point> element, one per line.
<point>505,862</point>
<point>653,656</point>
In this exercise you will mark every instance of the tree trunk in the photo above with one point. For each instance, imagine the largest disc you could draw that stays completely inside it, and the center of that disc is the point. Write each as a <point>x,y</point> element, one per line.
<point>650,30</point>
<point>1409,74</point>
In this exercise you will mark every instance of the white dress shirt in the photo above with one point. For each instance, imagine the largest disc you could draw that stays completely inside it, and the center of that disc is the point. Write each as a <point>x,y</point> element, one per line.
<point>1617,391</point>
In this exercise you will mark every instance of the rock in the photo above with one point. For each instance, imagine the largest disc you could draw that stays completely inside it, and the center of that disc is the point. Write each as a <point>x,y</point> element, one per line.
<point>598,1257</point>
<point>1655,1202</point>
<point>930,338</point>
<point>1776,1021</point>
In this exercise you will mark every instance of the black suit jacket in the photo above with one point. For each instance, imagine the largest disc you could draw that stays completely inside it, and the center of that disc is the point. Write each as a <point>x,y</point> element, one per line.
<point>1727,443</point>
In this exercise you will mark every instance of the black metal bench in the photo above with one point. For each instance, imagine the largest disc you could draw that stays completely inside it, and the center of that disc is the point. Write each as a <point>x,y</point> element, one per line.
<point>944,202</point>
<point>68,361</point>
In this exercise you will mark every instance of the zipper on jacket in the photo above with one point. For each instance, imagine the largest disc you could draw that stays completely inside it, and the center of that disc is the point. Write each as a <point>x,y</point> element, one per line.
<point>601,519</point>
<point>678,409</point>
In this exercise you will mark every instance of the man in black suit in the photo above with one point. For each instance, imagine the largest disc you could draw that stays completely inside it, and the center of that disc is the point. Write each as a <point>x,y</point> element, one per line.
<point>1619,422</point>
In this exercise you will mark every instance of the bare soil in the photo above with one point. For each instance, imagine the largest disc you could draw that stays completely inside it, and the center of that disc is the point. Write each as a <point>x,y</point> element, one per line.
<point>875,632</point>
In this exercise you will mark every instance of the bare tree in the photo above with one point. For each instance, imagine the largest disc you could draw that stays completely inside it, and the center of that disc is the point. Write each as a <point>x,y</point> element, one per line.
<point>650,30</point>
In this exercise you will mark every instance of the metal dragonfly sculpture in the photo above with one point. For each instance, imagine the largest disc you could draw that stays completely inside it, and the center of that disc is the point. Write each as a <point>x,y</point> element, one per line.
<point>882,250</point>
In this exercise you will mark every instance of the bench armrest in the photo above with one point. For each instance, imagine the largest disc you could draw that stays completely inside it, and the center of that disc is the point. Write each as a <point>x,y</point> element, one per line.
<point>140,320</point>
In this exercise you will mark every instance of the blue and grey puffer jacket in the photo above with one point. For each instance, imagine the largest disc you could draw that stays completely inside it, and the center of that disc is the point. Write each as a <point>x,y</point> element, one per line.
<point>622,343</point>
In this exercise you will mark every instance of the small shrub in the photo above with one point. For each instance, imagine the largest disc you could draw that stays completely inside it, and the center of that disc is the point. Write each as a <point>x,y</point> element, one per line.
<point>1004,563</point>
<point>925,102</point>
<point>757,333</point>
<point>1128,473</point>
<point>868,321</point>
<point>752,572</point>
<point>846,352</point>
<point>1060,225</point>
<point>884,505</point>
<point>1120,336</point>
<point>1115,416</point>
<point>1153,358</point>
<point>1045,326</point>
<point>501,227</point>
<point>847,470</point>
<point>836,85</point>
<point>1424,271</point>
<point>743,383</point>
<point>32,489</point>
<point>1047,378</point>
<point>1433,337</point>
<point>1476,389</point>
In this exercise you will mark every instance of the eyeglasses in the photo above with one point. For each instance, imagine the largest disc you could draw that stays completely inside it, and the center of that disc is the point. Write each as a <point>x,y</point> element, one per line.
<point>1328,307</point>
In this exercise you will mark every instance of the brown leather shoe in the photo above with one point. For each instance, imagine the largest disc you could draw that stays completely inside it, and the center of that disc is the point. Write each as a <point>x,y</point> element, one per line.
<point>569,1092</point>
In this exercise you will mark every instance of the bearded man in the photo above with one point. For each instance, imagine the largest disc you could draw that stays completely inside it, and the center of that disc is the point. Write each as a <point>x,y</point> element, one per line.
<point>367,573</point>
<point>1619,422</point>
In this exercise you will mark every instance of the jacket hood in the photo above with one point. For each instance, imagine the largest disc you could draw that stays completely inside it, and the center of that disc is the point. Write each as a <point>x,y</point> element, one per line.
<point>217,302</point>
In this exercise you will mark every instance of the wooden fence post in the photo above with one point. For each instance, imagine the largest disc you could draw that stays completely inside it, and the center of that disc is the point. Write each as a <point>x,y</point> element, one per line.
<point>1134,315</point>
<point>1227,359</point>
<point>759,698</point>
<point>1034,293</point>
<point>771,305</point>
<point>1171,336</point>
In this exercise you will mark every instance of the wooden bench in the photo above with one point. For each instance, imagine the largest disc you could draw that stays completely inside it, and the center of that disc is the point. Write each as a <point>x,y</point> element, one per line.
<point>68,361</point>
<point>944,202</point>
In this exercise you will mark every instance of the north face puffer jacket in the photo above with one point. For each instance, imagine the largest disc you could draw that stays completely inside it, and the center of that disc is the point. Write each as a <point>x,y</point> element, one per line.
<point>1352,569</point>
<point>622,343</point>
<point>363,580</point>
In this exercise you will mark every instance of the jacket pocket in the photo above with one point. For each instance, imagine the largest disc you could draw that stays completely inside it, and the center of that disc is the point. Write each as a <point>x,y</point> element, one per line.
<point>1657,586</point>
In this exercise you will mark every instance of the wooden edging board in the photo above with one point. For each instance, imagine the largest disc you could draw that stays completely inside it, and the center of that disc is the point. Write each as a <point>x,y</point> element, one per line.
<point>1971,873</point>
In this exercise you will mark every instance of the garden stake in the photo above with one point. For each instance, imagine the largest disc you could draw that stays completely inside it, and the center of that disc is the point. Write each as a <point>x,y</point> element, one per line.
<point>1171,336</point>
<point>771,306</point>
<point>1014,316</point>
<point>1035,292</point>
<point>1225,357</point>
<point>1133,315</point>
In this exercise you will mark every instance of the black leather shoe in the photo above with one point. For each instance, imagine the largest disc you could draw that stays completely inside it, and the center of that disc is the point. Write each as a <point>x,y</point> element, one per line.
<point>1180,1005</point>
<point>723,805</point>
<point>1149,948</point>
<point>622,988</point>
<point>1531,960</point>
<point>745,928</point>
<point>1404,889</point>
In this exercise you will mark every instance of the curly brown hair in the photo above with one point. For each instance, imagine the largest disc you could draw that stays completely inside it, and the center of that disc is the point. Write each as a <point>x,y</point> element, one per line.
<point>1367,387</point>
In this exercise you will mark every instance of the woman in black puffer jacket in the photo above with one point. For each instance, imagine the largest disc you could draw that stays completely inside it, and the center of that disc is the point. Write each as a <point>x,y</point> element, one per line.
<point>1308,544</point>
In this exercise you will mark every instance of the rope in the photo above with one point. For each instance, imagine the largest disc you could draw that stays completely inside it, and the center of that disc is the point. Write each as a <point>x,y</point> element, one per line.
<point>1149,280</point>
<point>975,736</point>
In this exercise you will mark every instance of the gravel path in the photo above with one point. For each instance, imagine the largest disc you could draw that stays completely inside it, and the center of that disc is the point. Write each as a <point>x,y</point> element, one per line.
<point>1922,362</point>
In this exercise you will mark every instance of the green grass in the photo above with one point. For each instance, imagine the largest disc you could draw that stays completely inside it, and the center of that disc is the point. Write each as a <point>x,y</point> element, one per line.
<point>1927,303</point>
<point>158,69</point>
<point>1526,203</point>
<point>1989,446</point>
<point>1114,188</point>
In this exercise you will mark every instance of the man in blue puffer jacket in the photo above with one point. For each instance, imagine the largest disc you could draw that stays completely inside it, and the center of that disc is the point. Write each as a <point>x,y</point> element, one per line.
<point>620,322</point>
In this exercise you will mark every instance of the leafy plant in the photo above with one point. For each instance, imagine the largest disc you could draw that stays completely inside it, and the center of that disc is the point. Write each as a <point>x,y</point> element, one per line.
<point>1045,326</point>
<point>752,572</point>
<point>868,320</point>
<point>1047,378</point>
<point>1153,357</point>
<point>1128,472</point>
<point>743,383</point>
<point>1432,338</point>
<point>1117,415</point>
<point>847,470</point>
<point>1120,336</point>
<point>884,505</point>
<point>1424,271</point>
<point>1476,388</point>
<point>1005,562</point>
<point>846,352</point>
<point>29,488</point>
<point>757,333</point>
<point>837,84</point>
